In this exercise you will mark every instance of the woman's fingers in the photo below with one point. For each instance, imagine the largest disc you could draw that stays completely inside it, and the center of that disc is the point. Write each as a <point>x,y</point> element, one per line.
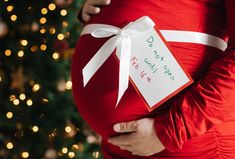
<point>86,17</point>
<point>91,7</point>
<point>89,10</point>
<point>98,2</point>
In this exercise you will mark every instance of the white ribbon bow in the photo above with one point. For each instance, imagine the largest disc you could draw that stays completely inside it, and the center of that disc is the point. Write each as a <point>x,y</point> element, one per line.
<point>121,41</point>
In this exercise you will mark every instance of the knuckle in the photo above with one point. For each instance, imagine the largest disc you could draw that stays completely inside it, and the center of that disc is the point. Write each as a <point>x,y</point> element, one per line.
<point>133,153</point>
<point>99,2</point>
<point>85,4</point>
<point>89,9</point>
<point>85,8</point>
<point>130,124</point>
<point>122,126</point>
<point>95,2</point>
<point>83,15</point>
<point>90,1</point>
<point>87,18</point>
<point>122,148</point>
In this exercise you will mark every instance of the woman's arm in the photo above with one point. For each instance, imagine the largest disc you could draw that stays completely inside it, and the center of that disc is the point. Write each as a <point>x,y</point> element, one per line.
<point>207,103</point>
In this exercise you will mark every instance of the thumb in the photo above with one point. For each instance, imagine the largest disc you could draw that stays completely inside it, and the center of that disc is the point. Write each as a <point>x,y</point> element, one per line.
<point>125,127</point>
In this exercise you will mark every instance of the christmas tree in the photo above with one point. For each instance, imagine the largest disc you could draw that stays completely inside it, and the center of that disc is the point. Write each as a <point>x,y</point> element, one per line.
<point>38,118</point>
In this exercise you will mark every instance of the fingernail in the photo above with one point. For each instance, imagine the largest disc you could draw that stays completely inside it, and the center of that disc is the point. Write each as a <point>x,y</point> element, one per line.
<point>135,124</point>
<point>110,141</point>
<point>97,10</point>
<point>117,127</point>
<point>108,1</point>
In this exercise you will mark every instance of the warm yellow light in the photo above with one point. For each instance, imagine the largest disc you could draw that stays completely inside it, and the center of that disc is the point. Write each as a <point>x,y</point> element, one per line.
<point>25,154</point>
<point>0,79</point>
<point>9,145</point>
<point>52,30</point>
<point>16,102</point>
<point>60,36</point>
<point>8,52</point>
<point>43,47</point>
<point>44,11</point>
<point>29,102</point>
<point>68,129</point>
<point>52,6</point>
<point>31,82</point>
<point>36,87</point>
<point>52,135</point>
<point>10,8</point>
<point>55,56</point>
<point>6,0</point>
<point>35,128</point>
<point>75,147</point>
<point>34,26</point>
<point>71,154</point>
<point>64,150</point>
<point>91,139</point>
<point>20,53</point>
<point>9,115</point>
<point>65,24</point>
<point>44,100</point>
<point>43,20</point>
<point>34,48</point>
<point>63,12</point>
<point>68,85</point>
<point>22,96</point>
<point>96,154</point>
<point>12,97</point>
<point>60,154</point>
<point>24,42</point>
<point>81,147</point>
<point>13,17</point>
<point>43,31</point>
<point>19,127</point>
<point>67,34</point>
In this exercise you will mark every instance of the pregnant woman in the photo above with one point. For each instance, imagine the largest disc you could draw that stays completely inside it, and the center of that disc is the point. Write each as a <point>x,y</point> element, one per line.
<point>197,123</point>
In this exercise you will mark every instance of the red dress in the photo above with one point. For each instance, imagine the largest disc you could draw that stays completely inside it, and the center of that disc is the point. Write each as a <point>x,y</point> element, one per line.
<point>199,122</point>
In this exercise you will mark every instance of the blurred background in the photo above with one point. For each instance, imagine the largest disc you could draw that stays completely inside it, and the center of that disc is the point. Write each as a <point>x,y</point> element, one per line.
<point>38,118</point>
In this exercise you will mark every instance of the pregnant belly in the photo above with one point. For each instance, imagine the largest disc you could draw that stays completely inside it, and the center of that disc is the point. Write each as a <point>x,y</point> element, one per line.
<point>96,102</point>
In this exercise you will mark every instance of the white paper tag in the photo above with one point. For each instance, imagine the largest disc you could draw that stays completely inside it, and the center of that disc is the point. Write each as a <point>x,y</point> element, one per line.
<point>154,70</point>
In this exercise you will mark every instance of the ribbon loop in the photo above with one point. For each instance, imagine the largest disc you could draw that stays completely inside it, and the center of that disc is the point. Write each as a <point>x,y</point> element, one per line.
<point>105,32</point>
<point>121,41</point>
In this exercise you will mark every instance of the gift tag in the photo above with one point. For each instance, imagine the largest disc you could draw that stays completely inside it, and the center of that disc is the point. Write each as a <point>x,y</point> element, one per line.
<point>154,71</point>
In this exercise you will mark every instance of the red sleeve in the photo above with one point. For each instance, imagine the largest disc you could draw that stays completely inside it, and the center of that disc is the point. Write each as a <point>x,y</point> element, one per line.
<point>207,102</point>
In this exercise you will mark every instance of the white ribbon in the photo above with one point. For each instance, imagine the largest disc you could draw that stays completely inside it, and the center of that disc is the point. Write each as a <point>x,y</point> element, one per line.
<point>121,41</point>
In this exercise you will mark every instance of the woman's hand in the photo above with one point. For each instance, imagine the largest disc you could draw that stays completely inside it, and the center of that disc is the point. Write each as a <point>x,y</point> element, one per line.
<point>141,139</point>
<point>92,7</point>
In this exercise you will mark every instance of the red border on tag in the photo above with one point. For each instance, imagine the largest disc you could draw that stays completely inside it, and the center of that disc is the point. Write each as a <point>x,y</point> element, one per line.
<point>173,93</point>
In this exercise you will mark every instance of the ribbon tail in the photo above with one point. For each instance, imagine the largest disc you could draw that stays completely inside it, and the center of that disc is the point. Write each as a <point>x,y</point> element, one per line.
<point>124,52</point>
<point>98,59</point>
